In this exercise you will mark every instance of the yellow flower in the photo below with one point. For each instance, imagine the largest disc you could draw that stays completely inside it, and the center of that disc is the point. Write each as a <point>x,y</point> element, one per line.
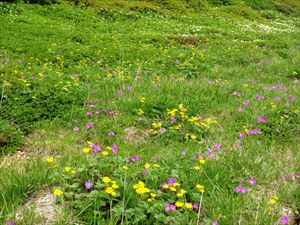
<point>51,160</point>
<point>273,200</point>
<point>188,205</point>
<point>193,137</point>
<point>115,186</point>
<point>109,190</point>
<point>147,166</point>
<point>150,199</point>
<point>200,188</point>
<point>140,112</point>
<point>202,161</point>
<point>179,194</point>
<point>156,165</point>
<point>176,184</point>
<point>125,168</point>
<point>86,150</point>
<point>182,191</point>
<point>179,204</point>
<point>142,100</point>
<point>68,169</point>
<point>197,168</point>
<point>106,180</point>
<point>165,186</point>
<point>113,194</point>
<point>104,153</point>
<point>73,171</point>
<point>172,189</point>
<point>153,195</point>
<point>142,190</point>
<point>58,192</point>
<point>108,148</point>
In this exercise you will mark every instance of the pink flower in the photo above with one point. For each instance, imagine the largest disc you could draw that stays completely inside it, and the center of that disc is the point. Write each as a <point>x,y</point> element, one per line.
<point>76,129</point>
<point>10,222</point>
<point>254,132</point>
<point>170,207</point>
<point>89,113</point>
<point>88,185</point>
<point>195,206</point>
<point>89,125</point>
<point>284,219</point>
<point>251,181</point>
<point>129,88</point>
<point>276,99</point>
<point>292,98</point>
<point>172,119</point>
<point>217,147</point>
<point>262,119</point>
<point>259,97</point>
<point>241,189</point>
<point>241,135</point>
<point>210,153</point>
<point>240,109</point>
<point>145,171</point>
<point>114,148</point>
<point>111,133</point>
<point>120,92</point>
<point>135,158</point>
<point>97,148</point>
<point>214,223</point>
<point>246,102</point>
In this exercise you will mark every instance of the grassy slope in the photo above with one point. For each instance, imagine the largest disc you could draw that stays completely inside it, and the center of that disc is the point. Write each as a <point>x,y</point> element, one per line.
<point>230,54</point>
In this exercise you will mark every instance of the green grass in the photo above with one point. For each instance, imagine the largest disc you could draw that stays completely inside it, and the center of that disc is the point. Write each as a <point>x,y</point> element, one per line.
<point>60,61</point>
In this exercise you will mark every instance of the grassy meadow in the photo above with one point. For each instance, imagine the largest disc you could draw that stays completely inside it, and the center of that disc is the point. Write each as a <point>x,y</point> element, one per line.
<point>150,112</point>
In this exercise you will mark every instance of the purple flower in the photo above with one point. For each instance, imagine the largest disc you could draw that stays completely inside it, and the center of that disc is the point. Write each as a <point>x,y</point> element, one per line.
<point>251,181</point>
<point>262,119</point>
<point>284,219</point>
<point>246,102</point>
<point>183,152</point>
<point>193,158</point>
<point>276,99</point>
<point>210,153</point>
<point>214,223</point>
<point>292,98</point>
<point>241,135</point>
<point>172,119</point>
<point>89,125</point>
<point>259,97</point>
<point>170,207</point>
<point>135,158</point>
<point>240,189</point>
<point>254,132</point>
<point>217,146</point>
<point>145,171</point>
<point>97,148</point>
<point>171,181</point>
<point>240,109</point>
<point>286,104</point>
<point>114,148</point>
<point>111,133</point>
<point>195,206</point>
<point>76,129</point>
<point>237,93</point>
<point>88,185</point>
<point>120,92</point>
<point>10,222</point>
<point>162,130</point>
<point>129,88</point>
<point>89,113</point>
<point>200,155</point>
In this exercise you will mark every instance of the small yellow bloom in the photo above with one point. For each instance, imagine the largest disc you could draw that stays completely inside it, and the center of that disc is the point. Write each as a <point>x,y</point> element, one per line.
<point>197,168</point>
<point>58,192</point>
<point>188,205</point>
<point>108,148</point>
<point>104,153</point>
<point>156,165</point>
<point>202,161</point>
<point>150,199</point>
<point>147,166</point>
<point>273,200</point>
<point>73,171</point>
<point>142,100</point>
<point>68,169</point>
<point>193,137</point>
<point>165,186</point>
<point>179,194</point>
<point>106,180</point>
<point>109,190</point>
<point>125,168</point>
<point>176,184</point>
<point>179,204</point>
<point>172,189</point>
<point>153,195</point>
<point>51,160</point>
<point>86,150</point>
<point>115,186</point>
